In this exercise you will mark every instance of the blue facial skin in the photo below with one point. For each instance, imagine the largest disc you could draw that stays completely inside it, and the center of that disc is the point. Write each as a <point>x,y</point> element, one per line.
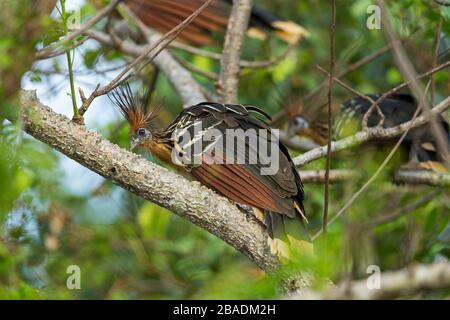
<point>297,124</point>
<point>142,134</point>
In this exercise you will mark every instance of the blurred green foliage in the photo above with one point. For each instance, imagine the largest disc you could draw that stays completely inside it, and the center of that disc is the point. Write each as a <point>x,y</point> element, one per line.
<point>127,248</point>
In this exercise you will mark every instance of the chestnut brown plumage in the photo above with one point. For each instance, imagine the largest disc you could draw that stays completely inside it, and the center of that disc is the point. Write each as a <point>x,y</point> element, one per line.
<point>277,197</point>
<point>164,15</point>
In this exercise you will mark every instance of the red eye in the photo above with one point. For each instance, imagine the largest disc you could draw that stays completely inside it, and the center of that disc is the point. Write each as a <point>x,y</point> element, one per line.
<point>141,132</point>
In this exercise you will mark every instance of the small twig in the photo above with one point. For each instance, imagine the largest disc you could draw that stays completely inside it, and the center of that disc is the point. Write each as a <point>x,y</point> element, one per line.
<point>152,86</point>
<point>407,69</point>
<point>242,63</point>
<point>69,61</point>
<point>361,95</point>
<point>402,211</point>
<point>149,32</point>
<point>234,38</point>
<point>49,50</point>
<point>189,66</point>
<point>85,103</point>
<point>160,45</point>
<point>330,120</point>
<point>407,83</point>
<point>189,90</point>
<point>320,88</point>
<point>437,44</point>
<point>75,44</point>
<point>352,67</point>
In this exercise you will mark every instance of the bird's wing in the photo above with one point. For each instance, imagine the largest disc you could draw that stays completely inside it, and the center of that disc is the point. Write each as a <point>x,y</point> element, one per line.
<point>163,15</point>
<point>397,109</point>
<point>239,170</point>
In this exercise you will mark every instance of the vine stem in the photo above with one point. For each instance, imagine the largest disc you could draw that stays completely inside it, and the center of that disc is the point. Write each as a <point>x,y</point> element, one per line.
<point>69,61</point>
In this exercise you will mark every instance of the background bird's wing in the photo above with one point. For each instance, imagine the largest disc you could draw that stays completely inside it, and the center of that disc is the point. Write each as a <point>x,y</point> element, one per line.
<point>164,15</point>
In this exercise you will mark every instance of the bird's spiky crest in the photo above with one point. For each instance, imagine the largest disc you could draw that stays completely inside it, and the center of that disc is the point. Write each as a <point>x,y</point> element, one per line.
<point>134,108</point>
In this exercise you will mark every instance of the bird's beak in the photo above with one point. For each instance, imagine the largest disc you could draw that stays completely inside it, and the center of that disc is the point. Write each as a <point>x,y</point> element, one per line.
<point>133,144</point>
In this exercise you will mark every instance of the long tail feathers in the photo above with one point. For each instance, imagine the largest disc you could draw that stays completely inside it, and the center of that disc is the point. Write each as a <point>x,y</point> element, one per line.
<point>288,237</point>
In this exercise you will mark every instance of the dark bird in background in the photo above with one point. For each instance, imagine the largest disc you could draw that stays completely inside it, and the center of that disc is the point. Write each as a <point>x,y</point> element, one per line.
<point>164,15</point>
<point>277,197</point>
<point>420,143</point>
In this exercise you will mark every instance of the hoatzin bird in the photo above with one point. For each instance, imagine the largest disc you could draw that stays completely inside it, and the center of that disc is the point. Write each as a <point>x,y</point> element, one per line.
<point>277,195</point>
<point>397,108</point>
<point>164,15</point>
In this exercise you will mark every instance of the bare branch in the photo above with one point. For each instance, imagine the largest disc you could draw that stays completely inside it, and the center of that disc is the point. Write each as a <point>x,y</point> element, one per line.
<point>191,67</point>
<point>422,177</point>
<point>242,63</point>
<point>318,176</point>
<point>401,176</point>
<point>443,2</point>
<point>402,210</point>
<point>230,69</point>
<point>395,284</point>
<point>330,115</point>
<point>437,45</point>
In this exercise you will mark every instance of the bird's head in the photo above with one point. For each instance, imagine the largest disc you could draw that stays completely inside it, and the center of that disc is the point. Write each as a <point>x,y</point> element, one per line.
<point>297,125</point>
<point>309,122</point>
<point>134,109</point>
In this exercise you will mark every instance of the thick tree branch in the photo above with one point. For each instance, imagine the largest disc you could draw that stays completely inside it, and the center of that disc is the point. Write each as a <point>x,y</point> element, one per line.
<point>422,177</point>
<point>402,176</point>
<point>394,284</point>
<point>188,199</point>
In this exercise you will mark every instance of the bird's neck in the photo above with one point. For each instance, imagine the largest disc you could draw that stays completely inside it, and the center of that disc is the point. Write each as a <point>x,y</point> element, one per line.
<point>160,150</point>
